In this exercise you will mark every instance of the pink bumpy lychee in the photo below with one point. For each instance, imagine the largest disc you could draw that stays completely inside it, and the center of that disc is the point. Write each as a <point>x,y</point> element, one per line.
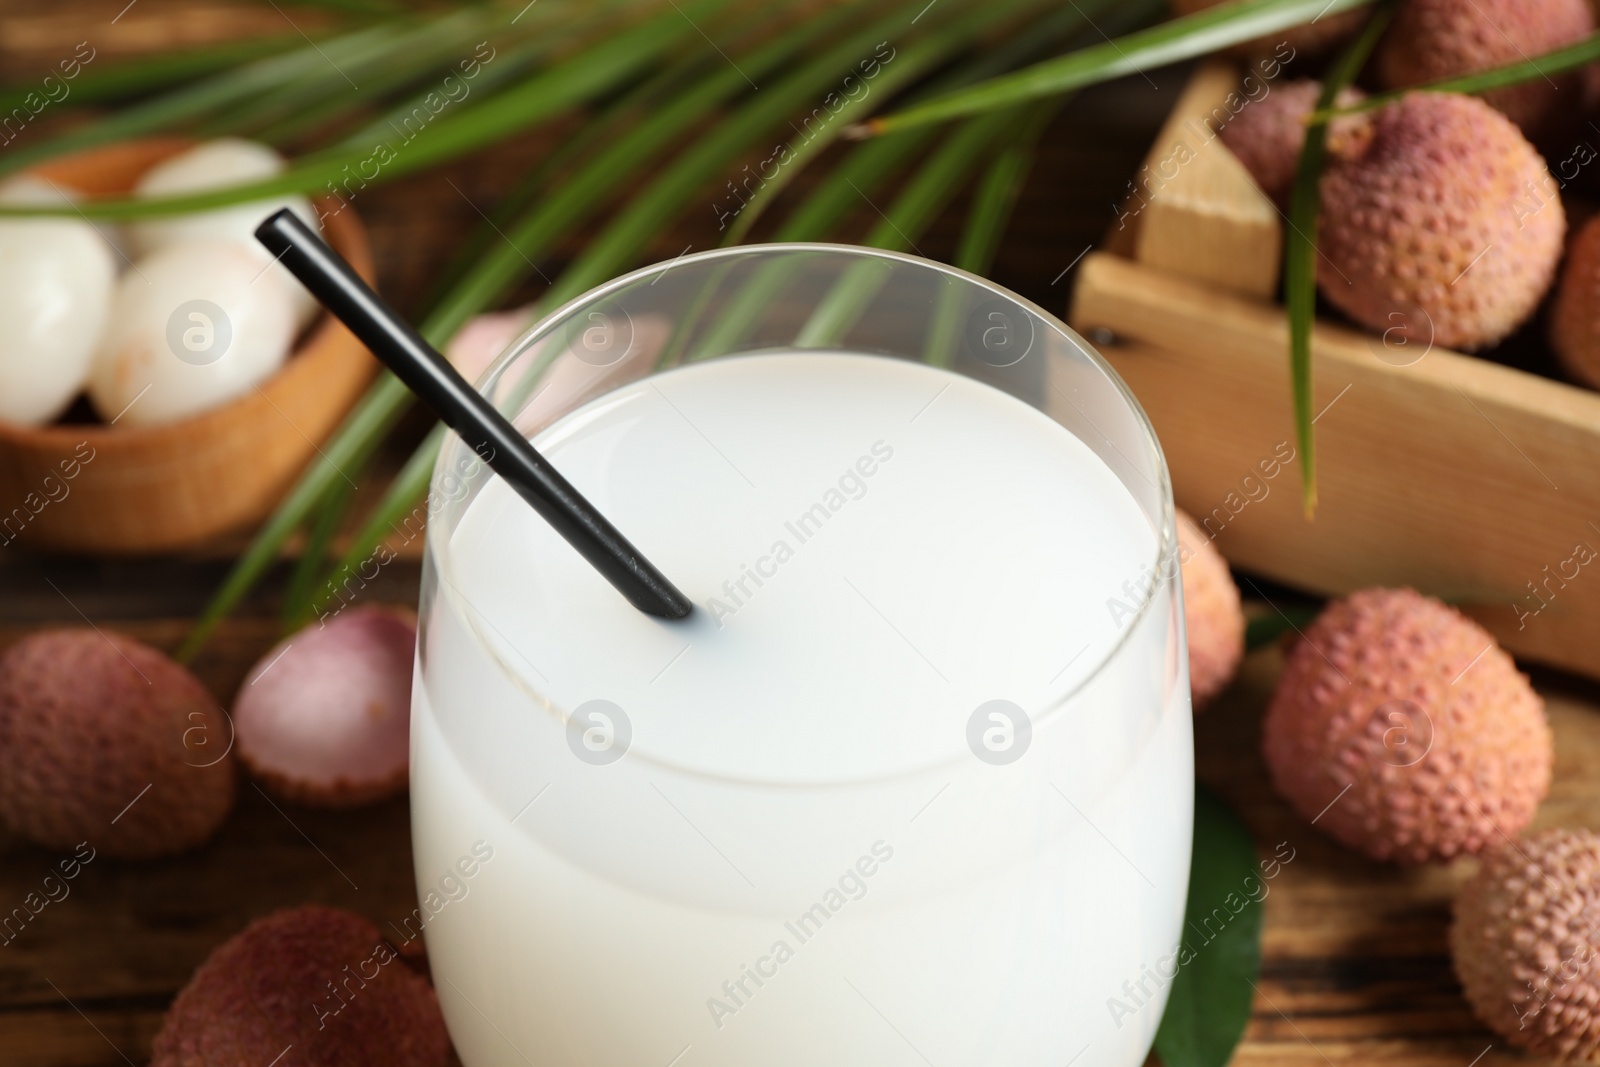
<point>1526,943</point>
<point>1435,39</point>
<point>1446,229</point>
<point>1402,729</point>
<point>306,987</point>
<point>1268,134</point>
<point>325,717</point>
<point>1212,615</point>
<point>106,740</point>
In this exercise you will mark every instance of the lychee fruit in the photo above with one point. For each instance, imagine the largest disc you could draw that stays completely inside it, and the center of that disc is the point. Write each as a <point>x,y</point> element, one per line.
<point>106,740</point>
<point>1211,614</point>
<point>325,717</point>
<point>1316,37</point>
<point>1445,229</point>
<point>1402,729</point>
<point>305,987</point>
<point>1268,134</point>
<point>1434,39</point>
<point>1526,943</point>
<point>1575,312</point>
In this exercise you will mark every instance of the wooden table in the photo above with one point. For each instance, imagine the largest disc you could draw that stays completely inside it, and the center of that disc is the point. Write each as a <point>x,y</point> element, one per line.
<point>1356,969</point>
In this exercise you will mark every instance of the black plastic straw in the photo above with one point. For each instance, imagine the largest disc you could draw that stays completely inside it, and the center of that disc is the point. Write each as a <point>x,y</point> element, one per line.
<point>427,374</point>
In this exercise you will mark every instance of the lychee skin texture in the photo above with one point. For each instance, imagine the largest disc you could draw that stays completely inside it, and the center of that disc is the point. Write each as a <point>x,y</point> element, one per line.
<point>1575,312</point>
<point>1526,943</point>
<point>1445,230</point>
<point>1211,614</point>
<point>325,718</point>
<point>1403,730</point>
<point>88,720</point>
<point>1434,39</point>
<point>1268,134</point>
<point>267,988</point>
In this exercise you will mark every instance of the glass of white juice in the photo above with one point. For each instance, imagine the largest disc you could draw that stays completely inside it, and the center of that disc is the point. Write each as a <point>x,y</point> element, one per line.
<point>913,783</point>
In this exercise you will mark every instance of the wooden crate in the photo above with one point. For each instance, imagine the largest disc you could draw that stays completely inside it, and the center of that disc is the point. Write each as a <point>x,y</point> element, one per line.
<point>1464,478</point>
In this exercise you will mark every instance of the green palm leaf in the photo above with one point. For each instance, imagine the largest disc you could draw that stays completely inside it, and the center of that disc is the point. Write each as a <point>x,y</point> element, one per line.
<point>584,76</point>
<point>134,77</point>
<point>171,110</point>
<point>1182,38</point>
<point>1300,253</point>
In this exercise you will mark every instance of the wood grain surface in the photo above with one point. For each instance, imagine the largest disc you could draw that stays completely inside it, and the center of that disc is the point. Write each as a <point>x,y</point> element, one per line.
<point>1356,966</point>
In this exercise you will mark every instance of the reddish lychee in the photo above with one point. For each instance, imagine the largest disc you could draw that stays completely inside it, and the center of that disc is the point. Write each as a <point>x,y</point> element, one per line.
<point>1526,943</point>
<point>325,717</point>
<point>1402,729</point>
<point>1575,312</point>
<point>106,740</point>
<point>1445,229</point>
<point>1435,39</point>
<point>1211,613</point>
<point>306,987</point>
<point>1268,134</point>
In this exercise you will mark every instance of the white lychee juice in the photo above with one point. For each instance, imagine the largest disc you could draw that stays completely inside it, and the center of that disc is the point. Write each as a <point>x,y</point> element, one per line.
<point>912,785</point>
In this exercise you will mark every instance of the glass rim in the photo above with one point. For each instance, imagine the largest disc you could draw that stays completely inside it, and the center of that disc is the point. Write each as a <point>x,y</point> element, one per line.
<point>549,323</point>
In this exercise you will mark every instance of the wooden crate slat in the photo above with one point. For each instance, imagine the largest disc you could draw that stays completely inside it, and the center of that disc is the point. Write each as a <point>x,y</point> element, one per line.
<point>1198,212</point>
<point>1465,478</point>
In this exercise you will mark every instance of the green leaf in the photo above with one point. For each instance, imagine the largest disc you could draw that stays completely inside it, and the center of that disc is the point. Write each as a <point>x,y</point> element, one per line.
<point>324,526</point>
<point>130,78</point>
<point>987,219</point>
<point>996,196</point>
<point>613,126</point>
<point>414,53</point>
<point>1300,252</point>
<point>1182,38</point>
<point>361,432</point>
<point>938,179</point>
<point>190,102</point>
<point>908,65</point>
<point>408,486</point>
<point>613,249</point>
<point>1220,955</point>
<point>584,76</point>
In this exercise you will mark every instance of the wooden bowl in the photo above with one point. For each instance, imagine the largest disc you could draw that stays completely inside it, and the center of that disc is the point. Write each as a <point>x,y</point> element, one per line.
<point>137,489</point>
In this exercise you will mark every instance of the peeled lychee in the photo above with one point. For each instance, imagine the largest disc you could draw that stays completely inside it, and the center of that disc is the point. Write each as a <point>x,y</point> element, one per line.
<point>1435,39</point>
<point>1268,134</point>
<point>192,327</point>
<point>1526,943</point>
<point>325,717</point>
<point>305,987</point>
<point>1211,614</point>
<point>56,280</point>
<point>1445,229</point>
<point>1315,37</point>
<point>1575,312</point>
<point>105,740</point>
<point>1402,729</point>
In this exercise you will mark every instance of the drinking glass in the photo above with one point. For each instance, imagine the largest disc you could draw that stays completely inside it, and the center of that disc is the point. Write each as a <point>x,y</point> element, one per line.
<point>1011,893</point>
